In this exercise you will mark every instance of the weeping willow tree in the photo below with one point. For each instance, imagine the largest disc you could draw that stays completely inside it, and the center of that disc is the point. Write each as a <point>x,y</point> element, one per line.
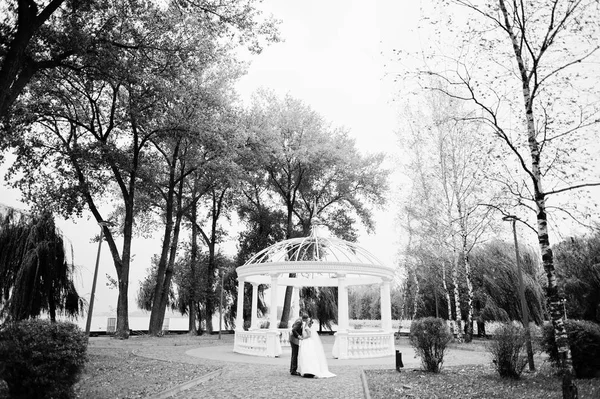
<point>496,283</point>
<point>320,303</point>
<point>35,275</point>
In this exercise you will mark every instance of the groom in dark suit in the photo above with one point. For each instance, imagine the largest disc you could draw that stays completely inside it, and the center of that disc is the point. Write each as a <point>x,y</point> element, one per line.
<point>295,337</point>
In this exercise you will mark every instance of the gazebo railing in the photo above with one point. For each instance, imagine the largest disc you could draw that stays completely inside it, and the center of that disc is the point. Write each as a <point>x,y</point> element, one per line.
<point>364,344</point>
<point>284,337</point>
<point>350,344</point>
<point>258,343</point>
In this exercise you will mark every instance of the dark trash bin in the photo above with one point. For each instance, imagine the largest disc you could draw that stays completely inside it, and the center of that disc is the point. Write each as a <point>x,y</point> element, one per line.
<point>399,363</point>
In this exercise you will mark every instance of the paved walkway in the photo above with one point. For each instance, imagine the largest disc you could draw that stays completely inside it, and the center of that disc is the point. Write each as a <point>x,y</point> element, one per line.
<point>244,376</point>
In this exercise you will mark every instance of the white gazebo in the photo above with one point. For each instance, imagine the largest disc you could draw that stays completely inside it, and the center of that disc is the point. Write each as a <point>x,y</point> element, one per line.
<point>318,261</point>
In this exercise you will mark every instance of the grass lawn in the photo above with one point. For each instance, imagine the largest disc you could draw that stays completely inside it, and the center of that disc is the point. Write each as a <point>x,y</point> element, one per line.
<point>470,382</point>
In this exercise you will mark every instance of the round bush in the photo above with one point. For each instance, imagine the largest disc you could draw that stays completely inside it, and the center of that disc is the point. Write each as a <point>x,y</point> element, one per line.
<point>40,359</point>
<point>430,336</point>
<point>584,341</point>
<point>507,349</point>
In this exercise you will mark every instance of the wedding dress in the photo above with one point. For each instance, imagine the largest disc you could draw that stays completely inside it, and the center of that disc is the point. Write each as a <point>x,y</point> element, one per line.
<point>311,356</point>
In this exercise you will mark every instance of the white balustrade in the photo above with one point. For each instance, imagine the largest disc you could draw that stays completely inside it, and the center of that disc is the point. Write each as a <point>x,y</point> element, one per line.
<point>258,343</point>
<point>284,337</point>
<point>363,344</point>
<point>351,344</point>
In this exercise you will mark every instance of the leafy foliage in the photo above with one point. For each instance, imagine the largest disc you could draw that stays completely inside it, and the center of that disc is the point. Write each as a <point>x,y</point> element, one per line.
<point>495,281</point>
<point>495,285</point>
<point>145,295</point>
<point>264,227</point>
<point>578,274</point>
<point>35,275</point>
<point>38,36</point>
<point>584,341</point>
<point>430,337</point>
<point>41,359</point>
<point>204,294</point>
<point>364,302</point>
<point>507,350</point>
<point>320,303</point>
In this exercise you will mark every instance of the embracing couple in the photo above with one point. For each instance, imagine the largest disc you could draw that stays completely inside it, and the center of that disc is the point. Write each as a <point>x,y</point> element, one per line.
<point>308,355</point>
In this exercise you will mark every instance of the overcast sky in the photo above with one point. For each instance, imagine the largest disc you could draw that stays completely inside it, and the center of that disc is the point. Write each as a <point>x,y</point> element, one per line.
<point>336,57</point>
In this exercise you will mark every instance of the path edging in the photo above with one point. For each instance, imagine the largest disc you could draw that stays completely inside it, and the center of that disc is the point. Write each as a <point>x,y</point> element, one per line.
<point>365,384</point>
<point>186,385</point>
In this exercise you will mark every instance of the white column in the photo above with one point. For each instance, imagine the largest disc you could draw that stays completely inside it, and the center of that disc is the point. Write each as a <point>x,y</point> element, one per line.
<point>274,301</point>
<point>343,324</point>
<point>386,306</point>
<point>295,314</point>
<point>254,313</point>
<point>239,322</point>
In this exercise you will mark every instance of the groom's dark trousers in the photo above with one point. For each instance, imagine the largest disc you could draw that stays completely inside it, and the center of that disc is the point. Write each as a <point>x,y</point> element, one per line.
<point>295,344</point>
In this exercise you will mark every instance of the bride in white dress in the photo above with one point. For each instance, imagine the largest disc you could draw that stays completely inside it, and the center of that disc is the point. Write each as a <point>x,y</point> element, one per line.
<point>311,356</point>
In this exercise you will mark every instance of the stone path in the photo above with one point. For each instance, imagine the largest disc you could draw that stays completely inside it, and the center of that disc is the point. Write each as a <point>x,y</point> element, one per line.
<point>243,376</point>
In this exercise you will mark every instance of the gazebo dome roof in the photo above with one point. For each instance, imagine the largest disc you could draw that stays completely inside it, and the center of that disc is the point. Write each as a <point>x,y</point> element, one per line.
<point>316,253</point>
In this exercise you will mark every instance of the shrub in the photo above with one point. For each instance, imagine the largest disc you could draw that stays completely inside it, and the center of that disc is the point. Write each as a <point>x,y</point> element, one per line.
<point>40,359</point>
<point>430,337</point>
<point>507,349</point>
<point>584,341</point>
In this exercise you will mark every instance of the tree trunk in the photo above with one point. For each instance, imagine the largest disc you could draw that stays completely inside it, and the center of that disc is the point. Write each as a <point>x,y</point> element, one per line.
<point>155,325</point>
<point>210,279</point>
<point>446,291</point>
<point>416,296</point>
<point>289,290</point>
<point>469,321</point>
<point>437,301</point>
<point>211,241</point>
<point>193,262</point>
<point>122,330</point>
<point>459,327</point>
<point>164,299</point>
<point>161,289</point>
<point>554,299</point>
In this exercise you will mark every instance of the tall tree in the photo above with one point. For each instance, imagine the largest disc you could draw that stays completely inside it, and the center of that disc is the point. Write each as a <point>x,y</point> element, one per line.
<point>313,169</point>
<point>546,49</point>
<point>288,132</point>
<point>198,135</point>
<point>92,139</point>
<point>35,273</point>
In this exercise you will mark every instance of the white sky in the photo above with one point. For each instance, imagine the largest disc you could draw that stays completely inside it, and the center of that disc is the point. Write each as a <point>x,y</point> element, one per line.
<point>333,57</point>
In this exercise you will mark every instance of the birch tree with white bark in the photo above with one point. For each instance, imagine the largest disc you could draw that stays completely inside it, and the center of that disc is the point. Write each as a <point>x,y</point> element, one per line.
<point>531,69</point>
<point>446,171</point>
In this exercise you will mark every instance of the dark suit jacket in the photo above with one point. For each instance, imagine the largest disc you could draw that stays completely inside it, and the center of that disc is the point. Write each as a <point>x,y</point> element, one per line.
<point>296,332</point>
